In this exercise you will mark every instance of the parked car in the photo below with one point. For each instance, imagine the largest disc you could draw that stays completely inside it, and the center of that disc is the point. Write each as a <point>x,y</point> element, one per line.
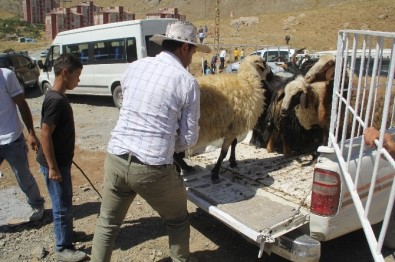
<point>26,70</point>
<point>274,56</point>
<point>44,53</point>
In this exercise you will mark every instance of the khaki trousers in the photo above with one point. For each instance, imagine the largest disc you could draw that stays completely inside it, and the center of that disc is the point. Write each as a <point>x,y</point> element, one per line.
<point>163,189</point>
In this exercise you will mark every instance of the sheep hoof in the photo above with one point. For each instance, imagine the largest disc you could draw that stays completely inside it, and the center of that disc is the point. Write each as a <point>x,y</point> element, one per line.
<point>215,179</point>
<point>233,164</point>
<point>188,168</point>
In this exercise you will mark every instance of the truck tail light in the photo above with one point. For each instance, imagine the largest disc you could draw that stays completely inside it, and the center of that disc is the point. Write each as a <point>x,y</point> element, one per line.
<point>326,192</point>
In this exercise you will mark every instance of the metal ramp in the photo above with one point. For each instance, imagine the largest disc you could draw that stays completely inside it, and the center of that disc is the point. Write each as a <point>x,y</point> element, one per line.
<point>259,215</point>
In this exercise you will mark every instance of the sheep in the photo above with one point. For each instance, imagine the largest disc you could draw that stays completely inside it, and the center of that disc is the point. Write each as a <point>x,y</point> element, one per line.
<point>286,127</point>
<point>277,125</point>
<point>322,70</point>
<point>273,90</point>
<point>311,103</point>
<point>306,105</point>
<point>230,105</point>
<point>311,95</point>
<point>271,126</point>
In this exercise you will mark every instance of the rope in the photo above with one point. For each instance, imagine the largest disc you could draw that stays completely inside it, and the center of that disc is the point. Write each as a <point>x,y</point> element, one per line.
<point>82,172</point>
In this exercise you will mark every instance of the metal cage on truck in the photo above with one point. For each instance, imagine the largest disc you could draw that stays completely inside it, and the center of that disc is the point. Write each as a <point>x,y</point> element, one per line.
<point>363,96</point>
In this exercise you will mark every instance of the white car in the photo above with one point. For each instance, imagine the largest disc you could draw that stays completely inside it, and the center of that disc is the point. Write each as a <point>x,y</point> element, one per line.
<point>44,53</point>
<point>274,57</point>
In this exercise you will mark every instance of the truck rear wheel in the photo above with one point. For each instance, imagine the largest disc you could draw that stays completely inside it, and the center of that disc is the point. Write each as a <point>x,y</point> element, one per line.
<point>117,96</point>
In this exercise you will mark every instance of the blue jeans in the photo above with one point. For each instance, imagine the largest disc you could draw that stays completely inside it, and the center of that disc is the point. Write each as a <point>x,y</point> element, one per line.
<point>61,194</point>
<point>16,155</point>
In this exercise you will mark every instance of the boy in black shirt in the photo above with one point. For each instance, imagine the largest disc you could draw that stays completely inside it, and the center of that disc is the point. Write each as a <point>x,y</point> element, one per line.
<point>56,153</point>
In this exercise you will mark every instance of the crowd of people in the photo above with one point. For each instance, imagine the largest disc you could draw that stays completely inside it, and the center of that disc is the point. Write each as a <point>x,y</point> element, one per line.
<point>140,152</point>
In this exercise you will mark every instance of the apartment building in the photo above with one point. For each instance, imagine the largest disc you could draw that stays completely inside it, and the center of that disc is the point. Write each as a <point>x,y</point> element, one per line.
<point>167,12</point>
<point>113,14</point>
<point>88,10</point>
<point>58,19</point>
<point>62,19</point>
<point>34,10</point>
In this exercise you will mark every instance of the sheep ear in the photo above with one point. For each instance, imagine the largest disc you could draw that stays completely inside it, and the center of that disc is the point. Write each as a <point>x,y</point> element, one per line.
<point>303,100</point>
<point>330,74</point>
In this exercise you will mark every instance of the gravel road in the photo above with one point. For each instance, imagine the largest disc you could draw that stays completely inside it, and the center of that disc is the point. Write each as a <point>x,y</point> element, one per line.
<point>142,237</point>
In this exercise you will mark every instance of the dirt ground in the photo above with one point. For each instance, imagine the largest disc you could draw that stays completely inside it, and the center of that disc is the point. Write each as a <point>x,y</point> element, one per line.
<point>142,236</point>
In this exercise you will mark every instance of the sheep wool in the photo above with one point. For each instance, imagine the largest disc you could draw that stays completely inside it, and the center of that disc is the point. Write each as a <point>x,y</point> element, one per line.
<point>231,103</point>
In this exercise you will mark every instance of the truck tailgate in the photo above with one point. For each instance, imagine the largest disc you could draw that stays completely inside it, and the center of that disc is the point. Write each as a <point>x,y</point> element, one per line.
<point>267,196</point>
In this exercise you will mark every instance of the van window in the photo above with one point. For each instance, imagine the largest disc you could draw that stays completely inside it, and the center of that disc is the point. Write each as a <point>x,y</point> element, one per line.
<point>131,50</point>
<point>79,50</point>
<point>4,62</point>
<point>152,48</point>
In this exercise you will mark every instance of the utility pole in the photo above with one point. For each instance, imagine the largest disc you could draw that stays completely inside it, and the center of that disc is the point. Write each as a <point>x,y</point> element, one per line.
<point>205,9</point>
<point>216,29</point>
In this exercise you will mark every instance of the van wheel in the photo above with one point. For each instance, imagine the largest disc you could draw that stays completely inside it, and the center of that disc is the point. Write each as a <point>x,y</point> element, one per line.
<point>45,88</point>
<point>117,96</point>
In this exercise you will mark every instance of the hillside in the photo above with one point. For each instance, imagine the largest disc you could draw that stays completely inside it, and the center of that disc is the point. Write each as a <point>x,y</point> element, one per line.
<point>310,23</point>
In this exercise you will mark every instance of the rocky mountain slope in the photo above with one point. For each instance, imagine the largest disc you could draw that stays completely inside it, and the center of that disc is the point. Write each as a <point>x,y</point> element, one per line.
<point>310,23</point>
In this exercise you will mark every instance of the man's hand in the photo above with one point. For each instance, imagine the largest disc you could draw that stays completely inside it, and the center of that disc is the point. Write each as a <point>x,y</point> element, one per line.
<point>34,142</point>
<point>55,175</point>
<point>371,134</point>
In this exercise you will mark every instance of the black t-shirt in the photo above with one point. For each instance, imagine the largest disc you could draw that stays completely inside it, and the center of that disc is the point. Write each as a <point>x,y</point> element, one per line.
<point>56,110</point>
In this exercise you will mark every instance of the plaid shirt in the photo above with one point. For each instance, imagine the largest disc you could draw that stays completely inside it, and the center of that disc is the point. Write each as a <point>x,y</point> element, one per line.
<point>160,110</point>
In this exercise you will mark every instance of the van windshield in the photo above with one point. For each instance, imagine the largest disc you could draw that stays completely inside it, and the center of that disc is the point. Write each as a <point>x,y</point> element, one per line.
<point>272,56</point>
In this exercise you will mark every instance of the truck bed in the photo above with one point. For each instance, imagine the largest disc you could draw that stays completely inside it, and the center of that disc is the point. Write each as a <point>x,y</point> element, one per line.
<point>266,196</point>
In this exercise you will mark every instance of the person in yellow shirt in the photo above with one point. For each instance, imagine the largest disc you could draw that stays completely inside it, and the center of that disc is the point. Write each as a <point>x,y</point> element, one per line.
<point>242,54</point>
<point>236,54</point>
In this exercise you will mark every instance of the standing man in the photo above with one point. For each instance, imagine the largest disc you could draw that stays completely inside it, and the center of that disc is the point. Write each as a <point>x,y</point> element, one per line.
<point>222,57</point>
<point>201,37</point>
<point>159,116</point>
<point>242,54</point>
<point>13,146</point>
<point>236,54</point>
<point>55,156</point>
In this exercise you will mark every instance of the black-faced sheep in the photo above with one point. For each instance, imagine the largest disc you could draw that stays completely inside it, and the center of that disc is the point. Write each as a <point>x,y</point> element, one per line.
<point>230,106</point>
<point>311,103</point>
<point>283,126</point>
<point>309,98</point>
<point>272,128</point>
<point>273,90</point>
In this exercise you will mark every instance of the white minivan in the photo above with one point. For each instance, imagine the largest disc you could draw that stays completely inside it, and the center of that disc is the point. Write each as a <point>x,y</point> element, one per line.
<point>105,51</point>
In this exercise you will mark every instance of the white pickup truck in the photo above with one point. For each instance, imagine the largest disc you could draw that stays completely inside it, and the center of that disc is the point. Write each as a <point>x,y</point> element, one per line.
<point>269,54</point>
<point>288,207</point>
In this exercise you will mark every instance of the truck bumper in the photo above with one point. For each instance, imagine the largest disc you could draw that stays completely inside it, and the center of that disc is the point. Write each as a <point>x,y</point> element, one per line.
<point>295,246</point>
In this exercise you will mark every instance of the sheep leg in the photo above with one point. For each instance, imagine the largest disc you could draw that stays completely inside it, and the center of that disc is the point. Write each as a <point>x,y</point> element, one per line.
<point>232,158</point>
<point>286,149</point>
<point>217,167</point>
<point>178,159</point>
<point>256,139</point>
<point>269,146</point>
